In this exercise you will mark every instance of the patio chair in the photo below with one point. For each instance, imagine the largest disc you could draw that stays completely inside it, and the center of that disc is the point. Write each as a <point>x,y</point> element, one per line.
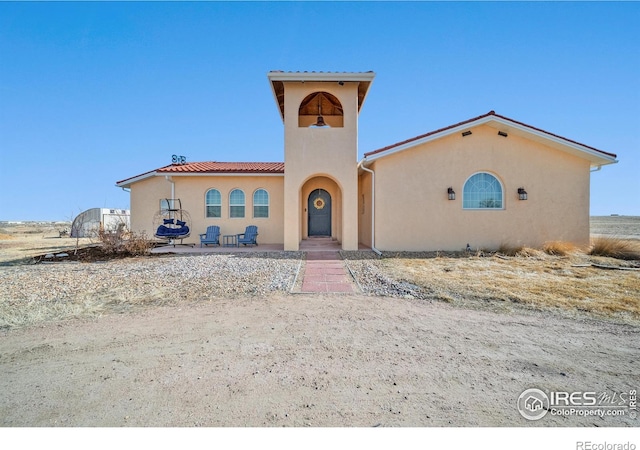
<point>211,237</point>
<point>249,237</point>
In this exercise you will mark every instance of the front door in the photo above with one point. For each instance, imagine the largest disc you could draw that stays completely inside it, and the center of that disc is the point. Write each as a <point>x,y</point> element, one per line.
<point>319,208</point>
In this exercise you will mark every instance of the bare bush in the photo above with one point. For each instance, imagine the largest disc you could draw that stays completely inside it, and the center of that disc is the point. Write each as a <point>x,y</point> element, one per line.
<point>124,242</point>
<point>138,244</point>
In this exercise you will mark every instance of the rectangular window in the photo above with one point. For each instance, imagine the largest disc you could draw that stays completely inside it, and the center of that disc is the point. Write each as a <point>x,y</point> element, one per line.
<point>236,211</point>
<point>166,204</point>
<point>214,211</point>
<point>260,211</point>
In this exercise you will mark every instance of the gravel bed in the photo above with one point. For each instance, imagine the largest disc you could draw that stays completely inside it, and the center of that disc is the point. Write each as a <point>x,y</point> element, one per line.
<point>33,293</point>
<point>373,281</point>
<point>130,282</point>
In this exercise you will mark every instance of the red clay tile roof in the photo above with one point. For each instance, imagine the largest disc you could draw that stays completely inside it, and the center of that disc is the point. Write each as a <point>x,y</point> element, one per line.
<point>490,113</point>
<point>224,167</point>
<point>212,167</point>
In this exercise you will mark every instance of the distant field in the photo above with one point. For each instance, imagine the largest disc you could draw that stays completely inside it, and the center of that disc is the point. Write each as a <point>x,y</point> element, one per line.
<point>627,227</point>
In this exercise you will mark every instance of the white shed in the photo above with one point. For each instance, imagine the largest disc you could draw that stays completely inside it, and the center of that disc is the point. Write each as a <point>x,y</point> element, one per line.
<point>90,222</point>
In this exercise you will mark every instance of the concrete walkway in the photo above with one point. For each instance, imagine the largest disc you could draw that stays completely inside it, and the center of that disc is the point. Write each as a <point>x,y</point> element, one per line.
<point>325,271</point>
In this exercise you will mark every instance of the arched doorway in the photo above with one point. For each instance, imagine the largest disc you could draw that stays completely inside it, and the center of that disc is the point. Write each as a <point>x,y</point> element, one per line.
<point>319,208</point>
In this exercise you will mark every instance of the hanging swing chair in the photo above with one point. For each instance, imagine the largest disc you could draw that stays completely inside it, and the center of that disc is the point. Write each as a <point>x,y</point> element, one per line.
<point>171,222</point>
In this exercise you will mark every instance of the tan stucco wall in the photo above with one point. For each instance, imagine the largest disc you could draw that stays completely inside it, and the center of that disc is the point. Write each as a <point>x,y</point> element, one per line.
<point>364,209</point>
<point>145,203</point>
<point>191,190</point>
<point>413,212</point>
<point>311,152</point>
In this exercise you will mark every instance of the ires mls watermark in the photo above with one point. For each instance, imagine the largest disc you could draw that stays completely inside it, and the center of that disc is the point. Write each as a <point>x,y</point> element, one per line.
<point>534,404</point>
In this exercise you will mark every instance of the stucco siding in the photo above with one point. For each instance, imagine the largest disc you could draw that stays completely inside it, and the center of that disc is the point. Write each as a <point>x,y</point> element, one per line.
<point>145,203</point>
<point>413,212</point>
<point>321,152</point>
<point>364,209</point>
<point>191,191</point>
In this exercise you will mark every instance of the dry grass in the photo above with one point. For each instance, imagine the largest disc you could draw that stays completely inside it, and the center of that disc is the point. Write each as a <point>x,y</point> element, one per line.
<point>559,248</point>
<point>509,250</point>
<point>614,247</point>
<point>545,282</point>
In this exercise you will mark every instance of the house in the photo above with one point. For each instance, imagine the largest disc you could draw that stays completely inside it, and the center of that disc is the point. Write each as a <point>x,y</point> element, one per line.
<point>487,181</point>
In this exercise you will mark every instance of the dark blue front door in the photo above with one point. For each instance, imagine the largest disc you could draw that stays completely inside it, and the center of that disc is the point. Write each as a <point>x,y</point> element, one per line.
<point>319,208</point>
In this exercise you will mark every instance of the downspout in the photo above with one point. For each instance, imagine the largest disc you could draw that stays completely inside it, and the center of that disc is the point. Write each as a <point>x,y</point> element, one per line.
<point>173,186</point>
<point>596,169</point>
<point>373,207</point>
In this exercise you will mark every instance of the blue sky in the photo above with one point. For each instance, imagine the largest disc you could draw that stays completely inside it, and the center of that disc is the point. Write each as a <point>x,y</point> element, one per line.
<point>92,93</point>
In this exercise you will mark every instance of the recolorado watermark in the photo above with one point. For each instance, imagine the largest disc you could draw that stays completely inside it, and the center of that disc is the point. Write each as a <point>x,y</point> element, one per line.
<point>534,404</point>
<point>588,445</point>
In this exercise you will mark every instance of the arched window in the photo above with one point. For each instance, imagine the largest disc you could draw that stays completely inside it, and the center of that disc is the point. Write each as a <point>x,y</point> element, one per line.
<point>260,203</point>
<point>482,191</point>
<point>236,203</point>
<point>213,203</point>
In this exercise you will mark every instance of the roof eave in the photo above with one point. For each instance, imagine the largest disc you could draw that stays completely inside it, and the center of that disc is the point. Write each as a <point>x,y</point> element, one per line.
<point>596,157</point>
<point>223,174</point>
<point>321,76</point>
<point>126,183</point>
<point>158,173</point>
<point>281,77</point>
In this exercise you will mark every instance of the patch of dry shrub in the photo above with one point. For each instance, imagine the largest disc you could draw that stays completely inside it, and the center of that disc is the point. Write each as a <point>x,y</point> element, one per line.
<point>132,244</point>
<point>138,244</point>
<point>527,252</point>
<point>614,247</point>
<point>559,248</point>
<point>510,250</point>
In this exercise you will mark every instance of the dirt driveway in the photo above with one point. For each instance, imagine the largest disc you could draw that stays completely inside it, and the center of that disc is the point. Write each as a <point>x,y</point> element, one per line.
<point>300,360</point>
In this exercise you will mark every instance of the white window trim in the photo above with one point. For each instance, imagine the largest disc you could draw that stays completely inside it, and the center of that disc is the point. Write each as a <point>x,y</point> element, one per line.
<point>268,205</point>
<point>244,204</point>
<point>502,200</point>
<point>206,205</point>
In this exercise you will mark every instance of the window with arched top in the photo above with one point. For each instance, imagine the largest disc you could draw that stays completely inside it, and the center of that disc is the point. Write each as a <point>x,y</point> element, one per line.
<point>482,191</point>
<point>320,109</point>
<point>236,203</point>
<point>213,203</point>
<point>261,203</point>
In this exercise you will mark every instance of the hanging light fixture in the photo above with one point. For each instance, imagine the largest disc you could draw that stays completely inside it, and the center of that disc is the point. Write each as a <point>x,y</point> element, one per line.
<point>320,121</point>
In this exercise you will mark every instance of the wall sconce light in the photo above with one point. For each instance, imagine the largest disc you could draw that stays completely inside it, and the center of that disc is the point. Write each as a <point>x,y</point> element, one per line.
<point>466,133</point>
<point>522,194</point>
<point>502,133</point>
<point>451,194</point>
